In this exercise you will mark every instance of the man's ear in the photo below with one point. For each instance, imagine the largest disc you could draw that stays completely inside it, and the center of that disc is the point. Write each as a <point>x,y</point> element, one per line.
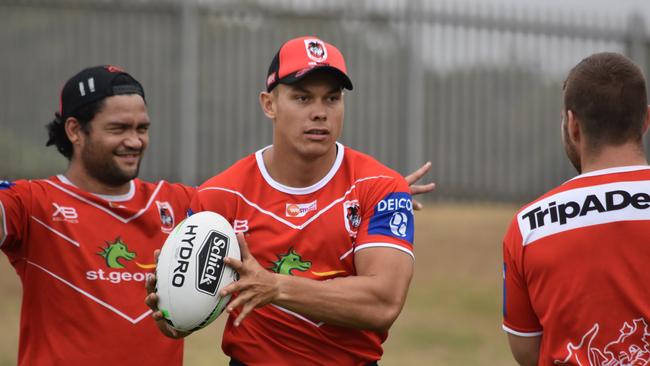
<point>646,123</point>
<point>73,130</point>
<point>268,104</point>
<point>573,128</point>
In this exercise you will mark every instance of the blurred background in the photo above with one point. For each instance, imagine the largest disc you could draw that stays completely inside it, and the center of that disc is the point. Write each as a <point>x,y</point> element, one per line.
<point>473,86</point>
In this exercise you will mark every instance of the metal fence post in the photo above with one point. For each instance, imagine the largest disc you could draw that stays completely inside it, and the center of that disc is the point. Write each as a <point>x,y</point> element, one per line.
<point>415,93</point>
<point>636,44</point>
<point>188,116</point>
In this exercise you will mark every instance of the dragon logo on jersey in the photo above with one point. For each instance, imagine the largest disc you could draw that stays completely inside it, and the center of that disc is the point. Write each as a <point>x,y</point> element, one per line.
<point>117,254</point>
<point>288,262</point>
<point>166,216</point>
<point>114,252</point>
<point>631,348</point>
<point>352,217</point>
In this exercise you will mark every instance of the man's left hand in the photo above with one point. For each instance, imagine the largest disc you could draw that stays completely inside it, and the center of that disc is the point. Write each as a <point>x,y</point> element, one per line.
<point>256,286</point>
<point>419,188</point>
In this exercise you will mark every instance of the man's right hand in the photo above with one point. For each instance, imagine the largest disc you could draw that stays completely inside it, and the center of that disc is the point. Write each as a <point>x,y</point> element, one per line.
<point>152,302</point>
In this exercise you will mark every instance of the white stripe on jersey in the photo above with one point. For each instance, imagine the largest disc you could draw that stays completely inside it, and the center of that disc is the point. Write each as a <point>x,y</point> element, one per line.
<point>73,242</point>
<point>297,315</point>
<point>383,245</point>
<point>288,223</point>
<point>93,298</point>
<point>586,206</point>
<point>521,334</point>
<point>118,217</point>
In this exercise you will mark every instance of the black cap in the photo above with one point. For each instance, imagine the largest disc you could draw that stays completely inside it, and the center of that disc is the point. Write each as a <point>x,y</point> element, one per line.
<point>93,84</point>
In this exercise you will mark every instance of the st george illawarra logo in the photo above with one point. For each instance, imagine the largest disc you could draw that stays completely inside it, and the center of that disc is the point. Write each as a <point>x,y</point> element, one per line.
<point>210,262</point>
<point>166,214</point>
<point>352,217</point>
<point>316,50</point>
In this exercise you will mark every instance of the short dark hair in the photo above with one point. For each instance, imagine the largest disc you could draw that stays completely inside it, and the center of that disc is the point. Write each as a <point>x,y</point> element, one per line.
<point>56,128</point>
<point>607,94</point>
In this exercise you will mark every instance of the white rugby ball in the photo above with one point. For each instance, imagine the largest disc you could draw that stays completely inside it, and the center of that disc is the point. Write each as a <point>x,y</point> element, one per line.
<point>191,272</point>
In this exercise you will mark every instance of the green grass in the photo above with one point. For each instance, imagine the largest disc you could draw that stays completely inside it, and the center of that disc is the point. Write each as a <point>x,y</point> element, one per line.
<point>452,315</point>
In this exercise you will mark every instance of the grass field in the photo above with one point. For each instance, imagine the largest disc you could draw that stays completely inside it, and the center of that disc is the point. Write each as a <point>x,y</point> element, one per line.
<point>452,315</point>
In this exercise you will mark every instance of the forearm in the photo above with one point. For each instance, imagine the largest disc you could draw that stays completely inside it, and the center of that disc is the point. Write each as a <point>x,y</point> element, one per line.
<point>525,349</point>
<point>365,302</point>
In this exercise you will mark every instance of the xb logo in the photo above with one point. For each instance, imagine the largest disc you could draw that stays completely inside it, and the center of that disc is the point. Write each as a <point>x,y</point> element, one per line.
<point>288,262</point>
<point>63,213</point>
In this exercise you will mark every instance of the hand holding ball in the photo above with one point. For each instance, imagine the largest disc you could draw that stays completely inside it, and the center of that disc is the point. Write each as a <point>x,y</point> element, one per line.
<point>191,271</point>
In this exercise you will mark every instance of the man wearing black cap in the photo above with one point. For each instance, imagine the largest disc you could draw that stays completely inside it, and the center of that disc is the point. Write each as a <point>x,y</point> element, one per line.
<point>330,230</point>
<point>82,241</point>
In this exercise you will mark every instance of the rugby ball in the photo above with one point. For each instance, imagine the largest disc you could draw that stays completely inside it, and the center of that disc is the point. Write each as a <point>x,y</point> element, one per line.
<point>190,271</point>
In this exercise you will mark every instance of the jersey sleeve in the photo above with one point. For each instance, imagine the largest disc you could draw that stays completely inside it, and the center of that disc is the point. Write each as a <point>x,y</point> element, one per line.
<point>184,195</point>
<point>519,317</point>
<point>387,216</point>
<point>215,199</point>
<point>14,207</point>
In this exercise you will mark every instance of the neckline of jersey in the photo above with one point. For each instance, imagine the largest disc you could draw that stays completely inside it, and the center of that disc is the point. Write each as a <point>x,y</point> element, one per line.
<point>108,197</point>
<point>618,169</point>
<point>299,190</point>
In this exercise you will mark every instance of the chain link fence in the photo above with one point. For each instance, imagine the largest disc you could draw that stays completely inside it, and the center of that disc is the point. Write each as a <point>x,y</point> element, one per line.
<point>475,89</point>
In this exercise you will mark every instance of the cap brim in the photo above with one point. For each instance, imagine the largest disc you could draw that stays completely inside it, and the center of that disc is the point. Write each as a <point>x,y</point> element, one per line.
<point>297,76</point>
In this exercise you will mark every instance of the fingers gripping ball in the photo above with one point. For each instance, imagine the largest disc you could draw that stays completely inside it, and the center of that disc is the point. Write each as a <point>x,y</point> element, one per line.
<point>191,270</point>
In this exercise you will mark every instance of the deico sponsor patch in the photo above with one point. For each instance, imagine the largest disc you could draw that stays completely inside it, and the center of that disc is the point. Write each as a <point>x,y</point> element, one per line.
<point>393,216</point>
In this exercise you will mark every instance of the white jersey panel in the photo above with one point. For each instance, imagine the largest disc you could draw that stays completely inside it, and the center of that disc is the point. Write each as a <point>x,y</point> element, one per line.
<point>582,207</point>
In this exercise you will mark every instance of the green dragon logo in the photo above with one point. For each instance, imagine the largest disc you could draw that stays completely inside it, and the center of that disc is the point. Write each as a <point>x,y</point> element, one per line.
<point>114,252</point>
<point>288,262</point>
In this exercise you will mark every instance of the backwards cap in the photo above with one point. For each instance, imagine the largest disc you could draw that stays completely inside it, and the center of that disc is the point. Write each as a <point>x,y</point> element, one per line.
<point>300,57</point>
<point>93,84</point>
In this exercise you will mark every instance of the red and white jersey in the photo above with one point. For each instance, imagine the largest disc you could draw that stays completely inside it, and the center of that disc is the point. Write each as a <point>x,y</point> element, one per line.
<point>83,259</point>
<point>576,270</point>
<point>312,232</point>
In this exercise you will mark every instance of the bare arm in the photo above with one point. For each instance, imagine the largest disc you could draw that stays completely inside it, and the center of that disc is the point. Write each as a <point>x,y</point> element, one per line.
<point>416,189</point>
<point>370,300</point>
<point>525,349</point>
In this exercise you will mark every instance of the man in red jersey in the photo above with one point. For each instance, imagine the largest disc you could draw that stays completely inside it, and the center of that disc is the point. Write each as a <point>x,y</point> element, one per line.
<point>81,241</point>
<point>329,257</point>
<point>576,282</point>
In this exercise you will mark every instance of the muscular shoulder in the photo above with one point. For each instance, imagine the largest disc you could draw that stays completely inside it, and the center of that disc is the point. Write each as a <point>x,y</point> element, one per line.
<point>368,173</point>
<point>365,165</point>
<point>26,188</point>
<point>242,172</point>
<point>163,190</point>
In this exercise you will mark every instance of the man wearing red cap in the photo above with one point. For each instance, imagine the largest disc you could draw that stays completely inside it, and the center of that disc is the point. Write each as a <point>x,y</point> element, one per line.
<point>82,241</point>
<point>326,232</point>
